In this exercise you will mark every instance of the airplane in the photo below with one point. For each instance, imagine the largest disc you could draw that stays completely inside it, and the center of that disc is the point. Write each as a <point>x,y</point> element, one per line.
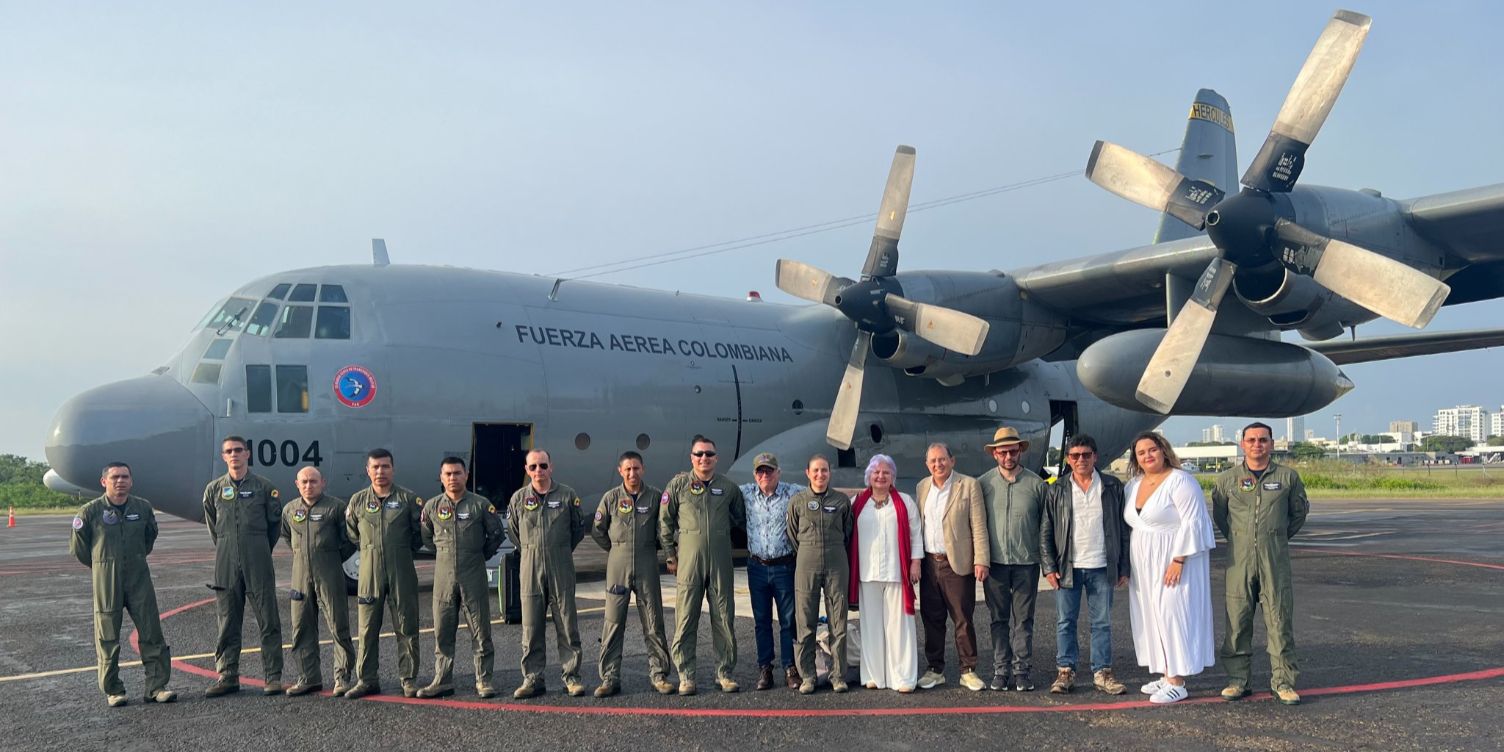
<point>317,366</point>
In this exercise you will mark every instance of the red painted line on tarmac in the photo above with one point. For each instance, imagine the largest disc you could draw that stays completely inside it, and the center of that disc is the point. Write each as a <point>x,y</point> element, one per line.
<point>1348,689</point>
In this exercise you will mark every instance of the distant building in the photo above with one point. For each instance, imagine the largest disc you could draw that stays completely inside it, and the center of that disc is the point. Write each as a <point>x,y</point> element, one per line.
<point>1470,421</point>
<point>1496,426</point>
<point>1213,434</point>
<point>1295,429</point>
<point>1404,430</point>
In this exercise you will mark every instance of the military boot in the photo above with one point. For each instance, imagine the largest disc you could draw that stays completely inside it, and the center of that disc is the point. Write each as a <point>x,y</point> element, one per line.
<point>607,689</point>
<point>117,701</point>
<point>409,688</point>
<point>486,690</point>
<point>303,687</point>
<point>361,689</point>
<point>529,688</point>
<point>162,695</point>
<point>274,687</point>
<point>226,685</point>
<point>436,689</point>
<point>1065,681</point>
<point>341,684</point>
<point>663,685</point>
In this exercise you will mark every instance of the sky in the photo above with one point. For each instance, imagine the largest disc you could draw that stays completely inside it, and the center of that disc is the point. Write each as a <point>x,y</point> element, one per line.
<point>155,157</point>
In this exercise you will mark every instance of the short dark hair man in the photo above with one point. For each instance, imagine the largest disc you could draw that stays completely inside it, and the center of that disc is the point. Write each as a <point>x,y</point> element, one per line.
<point>1259,506</point>
<point>465,533</point>
<point>383,519</point>
<point>1084,552</point>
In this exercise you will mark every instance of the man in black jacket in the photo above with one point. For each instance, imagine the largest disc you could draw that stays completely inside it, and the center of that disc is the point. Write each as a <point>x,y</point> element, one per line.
<point>1084,551</point>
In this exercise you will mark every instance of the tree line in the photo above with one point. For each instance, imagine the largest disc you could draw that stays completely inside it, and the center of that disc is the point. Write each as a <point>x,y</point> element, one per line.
<point>21,485</point>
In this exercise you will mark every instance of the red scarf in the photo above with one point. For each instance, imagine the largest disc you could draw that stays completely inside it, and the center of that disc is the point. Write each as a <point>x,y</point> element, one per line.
<point>855,586</point>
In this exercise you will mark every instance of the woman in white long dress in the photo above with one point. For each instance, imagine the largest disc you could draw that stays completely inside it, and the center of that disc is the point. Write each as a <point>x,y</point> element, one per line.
<point>885,554</point>
<point>1170,590</point>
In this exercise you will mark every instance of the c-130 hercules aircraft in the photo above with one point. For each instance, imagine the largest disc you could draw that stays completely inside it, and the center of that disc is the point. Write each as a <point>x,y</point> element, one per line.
<point>316,366</point>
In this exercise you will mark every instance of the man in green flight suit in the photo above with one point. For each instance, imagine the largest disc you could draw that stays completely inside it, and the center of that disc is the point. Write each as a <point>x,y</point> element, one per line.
<point>465,533</point>
<point>626,525</point>
<point>699,508</point>
<point>243,512</point>
<point>1259,506</point>
<point>820,527</point>
<point>545,522</point>
<point>112,535</point>
<point>382,520</point>
<point>314,526</point>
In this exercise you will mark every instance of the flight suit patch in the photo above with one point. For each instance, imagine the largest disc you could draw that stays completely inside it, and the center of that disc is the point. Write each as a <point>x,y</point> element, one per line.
<point>247,494</point>
<point>717,492</point>
<point>445,513</point>
<point>555,504</point>
<point>373,506</point>
<point>644,510</point>
<point>132,517</point>
<point>299,515</point>
<point>624,506</point>
<point>315,517</point>
<point>1273,485</point>
<point>275,493</point>
<point>78,523</point>
<point>531,503</point>
<point>1246,484</point>
<point>227,493</point>
<point>830,509</point>
<point>576,501</point>
<point>394,504</point>
<point>663,500</point>
<point>813,505</point>
<point>111,517</point>
<point>598,516</point>
<point>697,488</point>
<point>462,515</point>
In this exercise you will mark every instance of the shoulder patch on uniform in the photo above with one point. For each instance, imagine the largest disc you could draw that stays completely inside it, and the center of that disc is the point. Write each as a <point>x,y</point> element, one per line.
<point>227,493</point>
<point>576,501</point>
<point>598,515</point>
<point>275,494</point>
<point>78,523</point>
<point>663,500</point>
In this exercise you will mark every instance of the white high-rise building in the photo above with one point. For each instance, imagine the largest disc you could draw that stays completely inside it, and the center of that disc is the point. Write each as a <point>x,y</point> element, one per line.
<point>1496,425</point>
<point>1470,421</point>
<point>1404,430</point>
<point>1213,434</point>
<point>1295,428</point>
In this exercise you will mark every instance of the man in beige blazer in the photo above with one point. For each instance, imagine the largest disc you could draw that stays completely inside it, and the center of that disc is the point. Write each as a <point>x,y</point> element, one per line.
<point>956,555</point>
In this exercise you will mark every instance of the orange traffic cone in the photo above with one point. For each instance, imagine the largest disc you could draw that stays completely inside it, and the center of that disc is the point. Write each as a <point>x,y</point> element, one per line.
<point>11,520</point>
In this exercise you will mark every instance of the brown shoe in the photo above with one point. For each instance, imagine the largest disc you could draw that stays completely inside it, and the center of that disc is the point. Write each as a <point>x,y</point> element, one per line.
<point>273,687</point>
<point>663,685</point>
<point>1287,695</point>
<point>791,678</point>
<point>1065,681</point>
<point>687,687</point>
<point>436,689</point>
<point>485,690</point>
<point>607,689</point>
<point>764,677</point>
<point>574,688</point>
<point>226,685</point>
<point>361,689</point>
<point>303,688</point>
<point>728,685</point>
<point>342,684</point>
<point>162,695</point>
<point>1106,682</point>
<point>409,688</point>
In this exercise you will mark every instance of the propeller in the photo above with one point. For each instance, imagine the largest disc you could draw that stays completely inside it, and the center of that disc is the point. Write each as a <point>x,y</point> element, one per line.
<point>1247,229</point>
<point>876,303</point>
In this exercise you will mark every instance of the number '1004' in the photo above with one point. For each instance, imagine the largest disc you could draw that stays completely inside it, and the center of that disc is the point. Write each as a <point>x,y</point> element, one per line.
<point>268,453</point>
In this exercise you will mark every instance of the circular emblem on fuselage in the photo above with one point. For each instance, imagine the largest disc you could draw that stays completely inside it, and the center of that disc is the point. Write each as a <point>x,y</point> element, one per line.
<point>354,386</point>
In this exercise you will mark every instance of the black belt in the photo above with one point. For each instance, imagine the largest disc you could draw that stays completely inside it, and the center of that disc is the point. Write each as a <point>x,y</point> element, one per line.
<point>774,562</point>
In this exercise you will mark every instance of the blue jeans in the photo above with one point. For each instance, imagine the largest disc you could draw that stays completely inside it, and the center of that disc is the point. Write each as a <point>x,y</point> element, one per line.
<point>1098,590</point>
<point>768,585</point>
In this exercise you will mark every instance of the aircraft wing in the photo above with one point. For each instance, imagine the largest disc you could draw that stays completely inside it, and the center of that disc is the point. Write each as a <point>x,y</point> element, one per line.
<point>1124,287</point>
<point>1407,345</point>
<point>1469,224</point>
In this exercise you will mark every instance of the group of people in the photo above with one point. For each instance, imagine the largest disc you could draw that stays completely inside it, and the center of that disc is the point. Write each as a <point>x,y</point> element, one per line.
<point>808,547</point>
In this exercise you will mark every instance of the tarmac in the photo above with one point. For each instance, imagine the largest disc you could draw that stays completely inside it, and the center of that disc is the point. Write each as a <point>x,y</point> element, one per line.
<point>1399,605</point>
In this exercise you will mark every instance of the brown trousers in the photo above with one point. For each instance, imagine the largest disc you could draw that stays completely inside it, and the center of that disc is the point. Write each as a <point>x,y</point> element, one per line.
<point>944,593</point>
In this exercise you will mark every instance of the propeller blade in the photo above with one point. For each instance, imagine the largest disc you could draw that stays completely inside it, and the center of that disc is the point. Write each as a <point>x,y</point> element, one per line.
<point>849,400</point>
<point>1165,377</point>
<point>882,257</point>
<point>1310,100</point>
<point>808,282</point>
<point>1148,182</point>
<point>946,327</point>
<point>1390,288</point>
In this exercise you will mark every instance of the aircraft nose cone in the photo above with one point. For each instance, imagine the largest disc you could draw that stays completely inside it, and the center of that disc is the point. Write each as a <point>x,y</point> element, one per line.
<point>151,423</point>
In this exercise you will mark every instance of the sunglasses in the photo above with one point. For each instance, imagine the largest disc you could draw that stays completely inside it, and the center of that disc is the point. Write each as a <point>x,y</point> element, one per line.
<point>707,453</point>
<point>538,466</point>
<point>1081,455</point>
<point>236,450</point>
<point>1008,452</point>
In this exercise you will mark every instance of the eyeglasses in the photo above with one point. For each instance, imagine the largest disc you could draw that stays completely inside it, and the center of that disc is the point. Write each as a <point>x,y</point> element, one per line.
<point>705,453</point>
<point>236,450</point>
<point>538,466</point>
<point>1080,455</point>
<point>765,470</point>
<point>1008,452</point>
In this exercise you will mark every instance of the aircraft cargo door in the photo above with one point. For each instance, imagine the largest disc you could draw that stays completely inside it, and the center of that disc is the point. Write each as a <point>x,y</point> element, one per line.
<point>497,452</point>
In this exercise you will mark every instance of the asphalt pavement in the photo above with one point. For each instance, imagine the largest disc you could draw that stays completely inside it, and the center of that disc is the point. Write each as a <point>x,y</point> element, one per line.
<point>1399,605</point>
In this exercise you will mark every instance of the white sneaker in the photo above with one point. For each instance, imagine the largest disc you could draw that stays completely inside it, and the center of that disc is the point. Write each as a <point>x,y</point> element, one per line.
<point>1153,686</point>
<point>971,681</point>
<point>931,679</point>
<point>1169,693</point>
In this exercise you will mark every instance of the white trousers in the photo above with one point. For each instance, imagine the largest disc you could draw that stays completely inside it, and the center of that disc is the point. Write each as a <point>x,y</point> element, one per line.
<point>890,638</point>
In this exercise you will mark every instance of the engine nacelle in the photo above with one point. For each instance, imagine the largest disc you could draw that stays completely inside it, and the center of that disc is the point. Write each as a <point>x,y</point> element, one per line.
<point>1018,330</point>
<point>1235,376</point>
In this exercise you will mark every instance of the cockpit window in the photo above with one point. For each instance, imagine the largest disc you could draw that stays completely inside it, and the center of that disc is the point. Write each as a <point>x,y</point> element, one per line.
<point>332,294</point>
<point>280,291</point>
<point>261,321</point>
<point>302,293</point>
<point>207,373</point>
<point>296,321</point>
<point>334,323</point>
<point>258,389</point>
<point>218,349</point>
<point>292,389</point>
<point>231,315</point>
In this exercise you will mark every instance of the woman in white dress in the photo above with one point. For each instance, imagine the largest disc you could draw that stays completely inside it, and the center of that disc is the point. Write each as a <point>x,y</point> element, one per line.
<point>885,554</point>
<point>1170,590</point>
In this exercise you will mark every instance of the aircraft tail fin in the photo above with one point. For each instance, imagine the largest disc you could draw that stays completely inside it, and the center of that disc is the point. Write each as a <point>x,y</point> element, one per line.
<point>378,253</point>
<point>1209,152</point>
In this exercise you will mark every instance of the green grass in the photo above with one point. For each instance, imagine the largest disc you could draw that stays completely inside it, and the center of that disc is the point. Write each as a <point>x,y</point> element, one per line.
<point>1330,479</point>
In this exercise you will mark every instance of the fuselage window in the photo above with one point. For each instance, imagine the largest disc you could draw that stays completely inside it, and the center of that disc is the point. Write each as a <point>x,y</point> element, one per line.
<point>280,291</point>
<point>231,315</point>
<point>334,323</point>
<point>302,293</point>
<point>292,389</point>
<point>332,294</point>
<point>261,321</point>
<point>203,322</point>
<point>258,389</point>
<point>296,322</point>
<point>206,373</point>
<point>218,349</point>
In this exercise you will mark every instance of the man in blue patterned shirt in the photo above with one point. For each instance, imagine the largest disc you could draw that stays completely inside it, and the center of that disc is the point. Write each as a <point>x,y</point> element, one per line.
<point>770,567</point>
